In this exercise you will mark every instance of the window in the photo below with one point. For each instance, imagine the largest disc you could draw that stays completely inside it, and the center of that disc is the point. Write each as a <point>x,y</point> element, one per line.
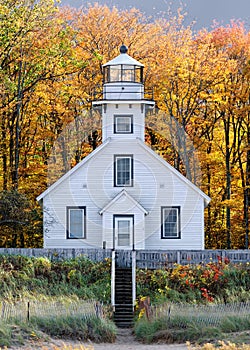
<point>123,170</point>
<point>123,124</point>
<point>76,222</point>
<point>170,222</point>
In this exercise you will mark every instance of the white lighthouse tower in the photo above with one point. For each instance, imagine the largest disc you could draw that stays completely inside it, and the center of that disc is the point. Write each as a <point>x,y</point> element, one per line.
<point>124,102</point>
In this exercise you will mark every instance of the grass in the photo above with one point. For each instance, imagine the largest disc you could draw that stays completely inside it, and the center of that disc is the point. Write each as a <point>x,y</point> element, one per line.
<point>64,327</point>
<point>58,293</point>
<point>194,323</point>
<point>77,328</point>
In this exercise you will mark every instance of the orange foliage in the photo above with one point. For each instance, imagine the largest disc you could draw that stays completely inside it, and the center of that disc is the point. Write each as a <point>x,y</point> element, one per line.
<point>52,66</point>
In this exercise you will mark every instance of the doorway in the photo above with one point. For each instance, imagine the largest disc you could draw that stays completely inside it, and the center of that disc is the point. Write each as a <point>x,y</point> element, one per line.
<point>123,231</point>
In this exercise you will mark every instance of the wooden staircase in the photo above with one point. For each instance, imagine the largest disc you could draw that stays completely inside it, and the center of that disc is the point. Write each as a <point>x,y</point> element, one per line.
<point>124,310</point>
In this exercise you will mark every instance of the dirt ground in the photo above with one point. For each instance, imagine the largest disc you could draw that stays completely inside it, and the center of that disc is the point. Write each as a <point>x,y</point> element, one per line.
<point>125,341</point>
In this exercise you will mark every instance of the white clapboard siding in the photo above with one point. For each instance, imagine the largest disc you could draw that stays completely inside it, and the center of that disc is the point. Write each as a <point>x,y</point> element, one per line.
<point>124,109</point>
<point>156,184</point>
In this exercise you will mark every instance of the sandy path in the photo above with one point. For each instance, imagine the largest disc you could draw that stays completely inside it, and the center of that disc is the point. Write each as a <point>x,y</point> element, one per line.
<point>125,341</point>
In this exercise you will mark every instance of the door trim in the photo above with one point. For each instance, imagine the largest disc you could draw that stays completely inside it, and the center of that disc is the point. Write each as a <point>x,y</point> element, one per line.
<point>123,216</point>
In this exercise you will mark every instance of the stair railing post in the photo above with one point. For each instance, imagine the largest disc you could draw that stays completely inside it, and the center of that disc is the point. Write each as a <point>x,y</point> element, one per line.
<point>113,279</point>
<point>134,277</point>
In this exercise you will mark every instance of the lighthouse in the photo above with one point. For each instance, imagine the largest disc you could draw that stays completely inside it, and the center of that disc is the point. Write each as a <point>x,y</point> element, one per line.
<point>123,198</point>
<point>123,100</point>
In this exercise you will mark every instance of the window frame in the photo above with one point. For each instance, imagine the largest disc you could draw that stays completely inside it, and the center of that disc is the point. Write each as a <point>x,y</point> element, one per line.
<point>178,221</point>
<point>130,116</point>
<point>83,209</point>
<point>131,170</point>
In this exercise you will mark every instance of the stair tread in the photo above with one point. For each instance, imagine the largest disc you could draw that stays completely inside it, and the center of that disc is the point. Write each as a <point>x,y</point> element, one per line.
<point>124,308</point>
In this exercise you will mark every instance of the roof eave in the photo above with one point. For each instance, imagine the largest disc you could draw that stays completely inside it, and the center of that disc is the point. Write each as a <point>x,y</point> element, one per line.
<point>206,198</point>
<point>71,171</point>
<point>123,59</point>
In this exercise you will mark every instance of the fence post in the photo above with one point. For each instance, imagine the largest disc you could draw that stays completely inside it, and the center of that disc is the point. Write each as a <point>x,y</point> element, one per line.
<point>98,309</point>
<point>134,277</point>
<point>113,279</point>
<point>178,257</point>
<point>28,311</point>
<point>3,309</point>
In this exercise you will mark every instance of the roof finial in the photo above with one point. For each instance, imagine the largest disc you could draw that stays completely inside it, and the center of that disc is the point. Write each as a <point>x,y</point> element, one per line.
<point>123,49</point>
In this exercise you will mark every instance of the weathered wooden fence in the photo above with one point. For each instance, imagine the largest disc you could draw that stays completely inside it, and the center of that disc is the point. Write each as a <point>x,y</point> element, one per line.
<point>59,254</point>
<point>158,259</point>
<point>24,310</point>
<point>206,315</point>
<point>144,258</point>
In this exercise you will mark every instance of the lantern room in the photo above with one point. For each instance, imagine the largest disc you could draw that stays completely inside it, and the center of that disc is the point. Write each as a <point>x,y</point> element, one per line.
<point>123,68</point>
<point>123,78</point>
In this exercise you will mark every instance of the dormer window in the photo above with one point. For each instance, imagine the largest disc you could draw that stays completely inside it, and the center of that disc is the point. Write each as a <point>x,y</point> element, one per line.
<point>123,124</point>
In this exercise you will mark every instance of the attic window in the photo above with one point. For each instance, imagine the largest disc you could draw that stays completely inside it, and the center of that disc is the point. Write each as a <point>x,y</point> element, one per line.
<point>76,222</point>
<point>170,226</point>
<point>123,124</point>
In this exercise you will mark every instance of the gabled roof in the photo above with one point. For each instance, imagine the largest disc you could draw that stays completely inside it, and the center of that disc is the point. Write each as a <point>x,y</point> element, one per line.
<point>176,172</point>
<point>148,150</point>
<point>123,193</point>
<point>123,58</point>
<point>71,171</point>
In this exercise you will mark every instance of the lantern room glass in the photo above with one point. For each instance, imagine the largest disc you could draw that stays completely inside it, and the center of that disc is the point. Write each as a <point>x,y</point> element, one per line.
<point>123,73</point>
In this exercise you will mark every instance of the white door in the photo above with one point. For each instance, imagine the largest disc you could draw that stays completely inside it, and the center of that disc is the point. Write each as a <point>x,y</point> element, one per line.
<point>123,232</point>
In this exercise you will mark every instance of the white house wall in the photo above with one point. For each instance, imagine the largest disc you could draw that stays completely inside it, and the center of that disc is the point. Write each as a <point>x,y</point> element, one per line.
<point>92,185</point>
<point>124,206</point>
<point>137,110</point>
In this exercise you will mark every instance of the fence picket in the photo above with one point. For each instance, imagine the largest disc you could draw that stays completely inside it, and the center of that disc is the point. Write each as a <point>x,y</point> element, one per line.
<point>210,315</point>
<point>24,310</point>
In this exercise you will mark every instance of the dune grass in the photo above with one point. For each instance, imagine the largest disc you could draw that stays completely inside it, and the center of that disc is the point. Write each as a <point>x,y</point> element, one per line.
<point>194,323</point>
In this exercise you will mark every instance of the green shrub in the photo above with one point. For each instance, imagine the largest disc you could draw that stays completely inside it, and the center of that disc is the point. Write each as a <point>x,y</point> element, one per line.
<point>21,276</point>
<point>42,266</point>
<point>196,283</point>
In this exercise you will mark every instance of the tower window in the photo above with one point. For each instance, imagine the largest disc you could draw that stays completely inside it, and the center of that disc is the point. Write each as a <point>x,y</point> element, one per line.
<point>123,124</point>
<point>123,171</point>
<point>170,217</point>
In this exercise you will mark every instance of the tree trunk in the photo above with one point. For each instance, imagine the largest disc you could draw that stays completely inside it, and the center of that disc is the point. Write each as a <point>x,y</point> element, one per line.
<point>228,180</point>
<point>246,193</point>
<point>4,155</point>
<point>17,130</point>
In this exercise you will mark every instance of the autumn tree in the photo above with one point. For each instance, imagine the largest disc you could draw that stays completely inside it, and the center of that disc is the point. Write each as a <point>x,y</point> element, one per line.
<point>36,49</point>
<point>20,222</point>
<point>51,69</point>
